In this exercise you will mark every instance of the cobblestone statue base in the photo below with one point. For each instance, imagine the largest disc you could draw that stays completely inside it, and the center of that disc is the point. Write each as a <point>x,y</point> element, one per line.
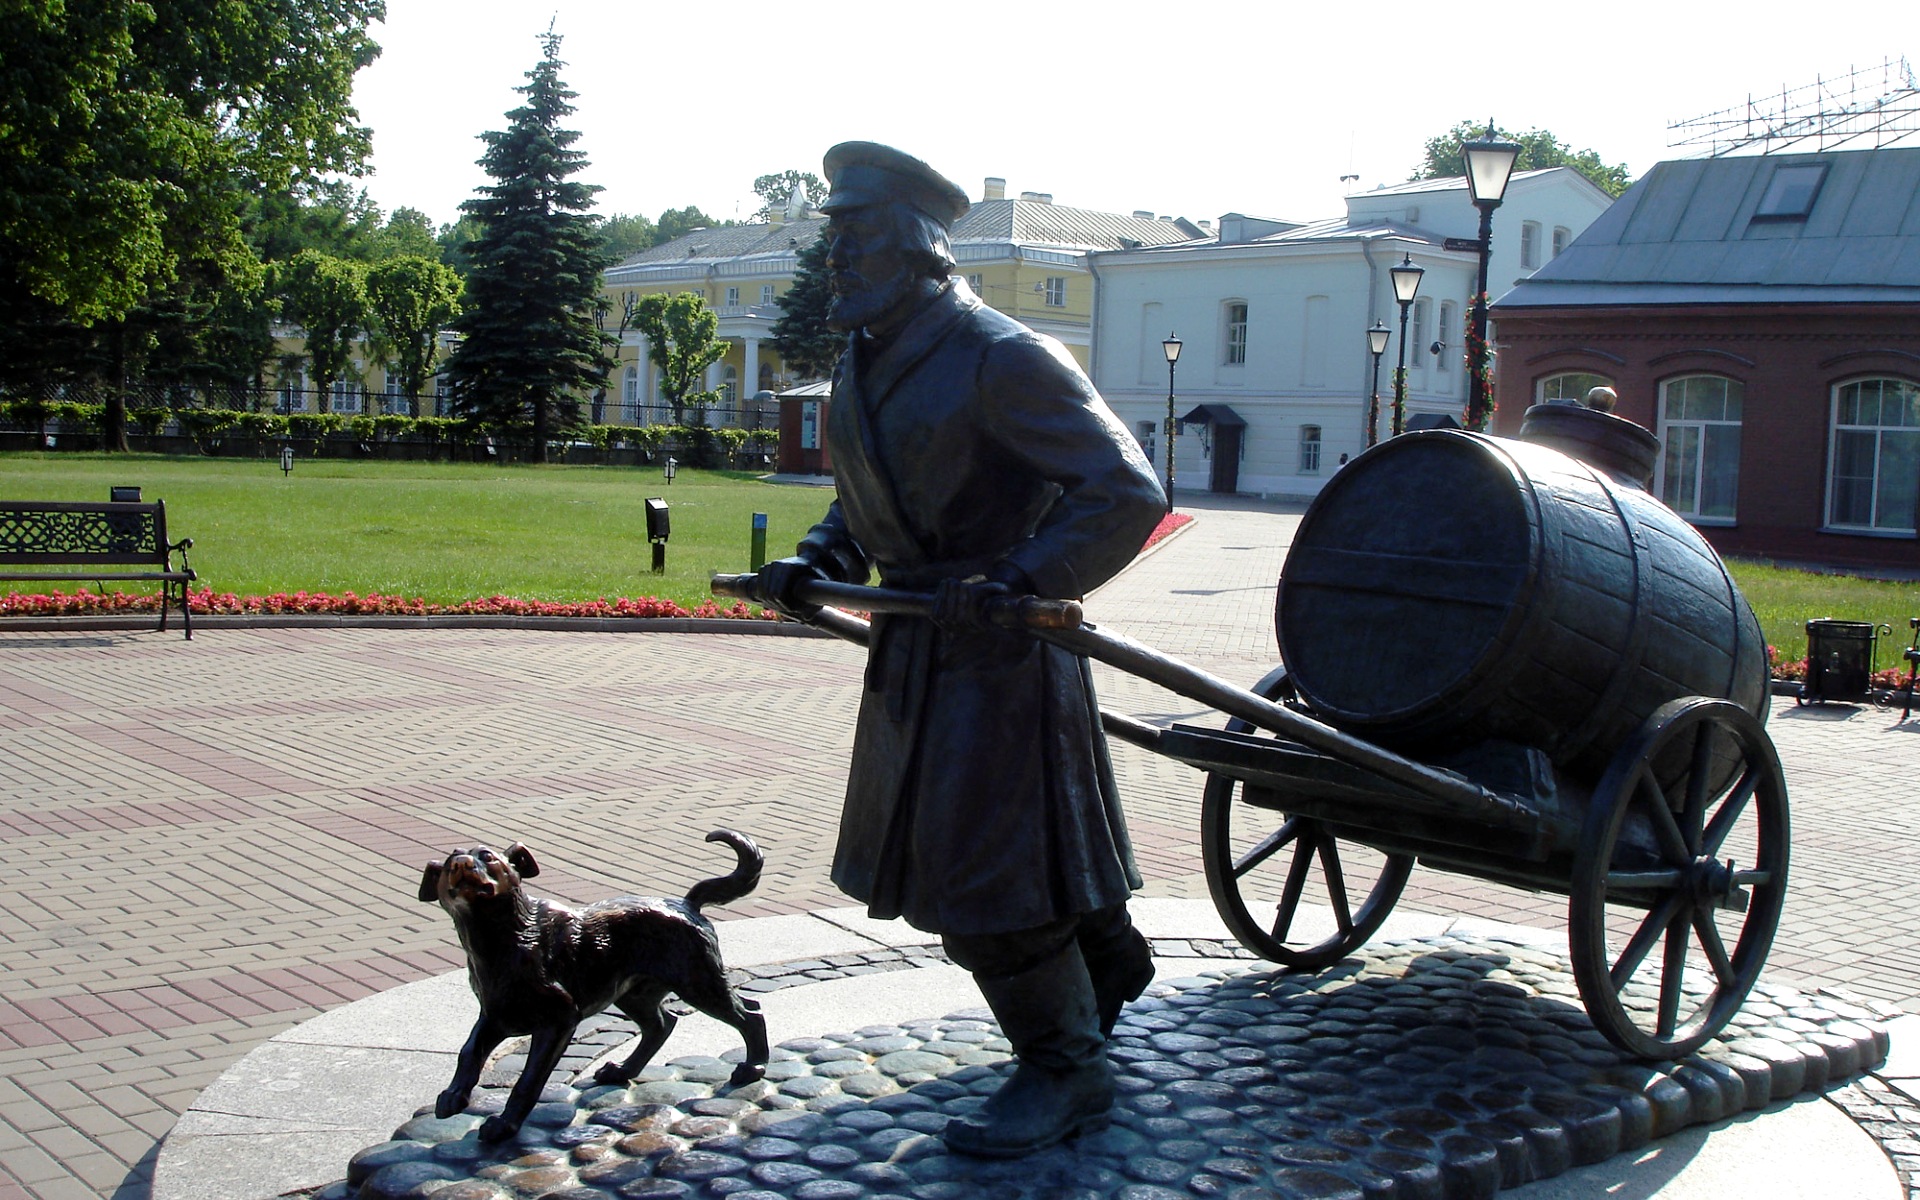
<point>1443,1067</point>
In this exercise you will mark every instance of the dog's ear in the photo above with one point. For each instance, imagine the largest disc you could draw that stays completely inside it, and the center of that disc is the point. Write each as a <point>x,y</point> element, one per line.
<point>521,859</point>
<point>430,883</point>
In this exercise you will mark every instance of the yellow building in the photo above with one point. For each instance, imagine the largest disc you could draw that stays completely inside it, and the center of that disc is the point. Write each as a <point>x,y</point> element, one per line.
<point>1026,257</point>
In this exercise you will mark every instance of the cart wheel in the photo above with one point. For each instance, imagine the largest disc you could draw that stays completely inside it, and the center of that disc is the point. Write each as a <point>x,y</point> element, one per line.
<point>1688,827</point>
<point>1250,869</point>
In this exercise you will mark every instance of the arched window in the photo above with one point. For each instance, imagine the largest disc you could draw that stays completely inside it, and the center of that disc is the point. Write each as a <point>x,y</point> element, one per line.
<point>630,396</point>
<point>1236,333</point>
<point>1309,449</point>
<point>1699,471</point>
<point>1873,480</point>
<point>1569,386</point>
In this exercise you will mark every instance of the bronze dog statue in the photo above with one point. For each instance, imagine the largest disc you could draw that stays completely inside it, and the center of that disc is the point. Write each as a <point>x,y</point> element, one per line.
<point>541,968</point>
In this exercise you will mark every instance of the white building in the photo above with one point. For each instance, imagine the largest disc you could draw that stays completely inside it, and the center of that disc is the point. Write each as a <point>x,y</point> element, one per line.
<point>1272,316</point>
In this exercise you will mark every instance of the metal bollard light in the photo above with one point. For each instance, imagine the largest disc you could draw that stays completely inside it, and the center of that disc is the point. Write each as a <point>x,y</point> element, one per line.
<point>658,530</point>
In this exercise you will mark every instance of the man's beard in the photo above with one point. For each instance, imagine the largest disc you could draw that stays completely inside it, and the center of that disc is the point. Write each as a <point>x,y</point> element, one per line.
<point>865,302</point>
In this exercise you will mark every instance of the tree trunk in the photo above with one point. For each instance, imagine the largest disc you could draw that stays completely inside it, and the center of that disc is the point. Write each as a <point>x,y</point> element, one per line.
<point>540,425</point>
<point>113,415</point>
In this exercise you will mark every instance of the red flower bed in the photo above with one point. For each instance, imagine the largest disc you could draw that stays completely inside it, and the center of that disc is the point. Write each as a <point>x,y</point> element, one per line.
<point>207,601</point>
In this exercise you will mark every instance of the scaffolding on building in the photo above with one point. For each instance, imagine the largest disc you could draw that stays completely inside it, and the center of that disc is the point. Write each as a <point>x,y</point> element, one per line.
<point>1868,107</point>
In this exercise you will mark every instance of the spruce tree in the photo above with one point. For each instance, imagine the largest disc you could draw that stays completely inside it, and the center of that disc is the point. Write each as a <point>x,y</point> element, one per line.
<point>531,348</point>
<point>806,345</point>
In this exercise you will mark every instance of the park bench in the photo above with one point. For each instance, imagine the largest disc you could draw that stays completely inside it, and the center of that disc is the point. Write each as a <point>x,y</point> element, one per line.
<point>108,540</point>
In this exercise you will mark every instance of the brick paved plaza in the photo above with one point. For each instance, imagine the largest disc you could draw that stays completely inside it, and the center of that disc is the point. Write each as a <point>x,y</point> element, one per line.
<point>211,841</point>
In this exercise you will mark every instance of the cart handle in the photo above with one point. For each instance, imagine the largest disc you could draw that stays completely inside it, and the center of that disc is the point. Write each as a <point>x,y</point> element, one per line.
<point>1008,612</point>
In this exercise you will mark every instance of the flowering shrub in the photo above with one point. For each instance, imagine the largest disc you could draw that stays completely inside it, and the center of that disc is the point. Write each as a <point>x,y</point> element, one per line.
<point>207,601</point>
<point>1167,525</point>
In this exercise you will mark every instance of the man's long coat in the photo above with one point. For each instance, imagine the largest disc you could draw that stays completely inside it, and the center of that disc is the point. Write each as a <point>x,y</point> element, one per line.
<point>980,798</point>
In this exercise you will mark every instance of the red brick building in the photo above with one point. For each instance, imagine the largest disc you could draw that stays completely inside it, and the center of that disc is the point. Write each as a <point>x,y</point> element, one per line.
<point>1762,316</point>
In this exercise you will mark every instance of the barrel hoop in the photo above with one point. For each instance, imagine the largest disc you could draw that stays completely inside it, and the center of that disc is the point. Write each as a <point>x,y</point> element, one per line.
<point>1638,628</point>
<point>1482,584</point>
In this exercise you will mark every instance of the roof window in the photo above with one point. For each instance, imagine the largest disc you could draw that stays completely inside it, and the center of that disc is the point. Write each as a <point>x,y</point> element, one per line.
<point>1791,192</point>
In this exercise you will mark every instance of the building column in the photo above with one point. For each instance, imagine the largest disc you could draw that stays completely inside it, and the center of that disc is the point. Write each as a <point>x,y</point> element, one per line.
<point>750,374</point>
<point>645,388</point>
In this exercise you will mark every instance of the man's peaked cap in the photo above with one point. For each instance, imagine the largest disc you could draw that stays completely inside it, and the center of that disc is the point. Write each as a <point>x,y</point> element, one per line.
<point>867,173</point>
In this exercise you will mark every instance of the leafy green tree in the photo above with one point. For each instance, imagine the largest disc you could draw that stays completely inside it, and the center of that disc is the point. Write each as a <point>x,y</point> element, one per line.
<point>454,241</point>
<point>777,189</point>
<point>807,346</point>
<point>678,222</point>
<point>680,332</point>
<point>130,133</point>
<point>1538,149</point>
<point>531,347</point>
<point>407,231</point>
<point>628,234</point>
<point>326,297</point>
<point>410,299</point>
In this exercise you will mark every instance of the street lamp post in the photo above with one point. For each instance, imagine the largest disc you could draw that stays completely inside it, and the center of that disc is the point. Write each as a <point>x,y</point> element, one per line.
<point>1406,285</point>
<point>1377,335</point>
<point>1489,162</point>
<point>1172,349</point>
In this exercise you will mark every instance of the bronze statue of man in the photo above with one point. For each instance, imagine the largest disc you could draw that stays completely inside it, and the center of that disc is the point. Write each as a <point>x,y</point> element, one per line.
<point>974,459</point>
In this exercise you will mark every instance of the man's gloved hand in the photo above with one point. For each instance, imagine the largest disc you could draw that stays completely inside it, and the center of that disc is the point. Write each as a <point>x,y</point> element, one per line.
<point>781,578</point>
<point>960,605</point>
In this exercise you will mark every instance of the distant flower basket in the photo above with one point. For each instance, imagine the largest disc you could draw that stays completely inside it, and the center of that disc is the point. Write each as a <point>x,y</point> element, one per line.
<point>208,602</point>
<point>1167,525</point>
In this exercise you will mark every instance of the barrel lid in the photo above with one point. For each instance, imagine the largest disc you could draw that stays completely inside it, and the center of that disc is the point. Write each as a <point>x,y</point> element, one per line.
<point>1614,444</point>
<point>1406,569</point>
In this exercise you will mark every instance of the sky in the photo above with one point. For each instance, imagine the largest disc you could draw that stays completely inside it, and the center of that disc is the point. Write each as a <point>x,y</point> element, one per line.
<point>1225,107</point>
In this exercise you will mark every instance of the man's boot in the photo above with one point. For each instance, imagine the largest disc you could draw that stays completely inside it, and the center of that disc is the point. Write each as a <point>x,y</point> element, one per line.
<point>1119,961</point>
<point>1061,1085</point>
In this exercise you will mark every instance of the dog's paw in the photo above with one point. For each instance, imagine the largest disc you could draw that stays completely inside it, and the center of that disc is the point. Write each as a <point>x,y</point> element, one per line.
<point>498,1129</point>
<point>612,1073</point>
<point>451,1101</point>
<point>747,1073</point>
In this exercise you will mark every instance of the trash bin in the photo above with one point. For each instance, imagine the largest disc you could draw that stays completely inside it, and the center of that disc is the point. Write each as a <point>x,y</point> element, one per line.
<point>1839,661</point>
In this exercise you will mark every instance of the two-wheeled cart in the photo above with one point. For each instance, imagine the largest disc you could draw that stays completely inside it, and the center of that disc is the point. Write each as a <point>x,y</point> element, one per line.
<point>1663,819</point>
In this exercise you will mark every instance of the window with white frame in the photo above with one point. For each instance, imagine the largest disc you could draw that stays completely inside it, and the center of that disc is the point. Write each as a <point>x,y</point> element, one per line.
<point>630,396</point>
<point>293,388</point>
<point>1445,334</point>
<point>730,386</point>
<point>1529,245</point>
<point>976,283</point>
<point>345,398</point>
<point>766,293</point>
<point>1309,449</point>
<point>1568,387</point>
<point>1699,472</point>
<point>442,396</point>
<point>1056,291</point>
<point>1561,236</point>
<point>1236,342</point>
<point>733,297</point>
<point>396,395</point>
<point>1874,479</point>
<point>1417,340</point>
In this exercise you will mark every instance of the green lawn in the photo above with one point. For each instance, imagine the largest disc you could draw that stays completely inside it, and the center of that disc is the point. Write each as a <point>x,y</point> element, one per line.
<point>447,532</point>
<point>1785,600</point>
<point>443,532</point>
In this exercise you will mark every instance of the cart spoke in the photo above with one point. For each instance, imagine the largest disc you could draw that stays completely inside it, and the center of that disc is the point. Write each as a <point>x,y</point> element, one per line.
<point>1621,882</point>
<point>1642,941</point>
<point>1730,811</point>
<point>1699,774</point>
<point>1336,883</point>
<point>1709,936</point>
<point>1289,905</point>
<point>1673,972</point>
<point>1673,845</point>
<point>1264,851</point>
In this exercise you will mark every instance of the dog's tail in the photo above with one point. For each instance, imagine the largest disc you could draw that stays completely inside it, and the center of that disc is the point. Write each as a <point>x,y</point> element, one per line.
<point>725,889</point>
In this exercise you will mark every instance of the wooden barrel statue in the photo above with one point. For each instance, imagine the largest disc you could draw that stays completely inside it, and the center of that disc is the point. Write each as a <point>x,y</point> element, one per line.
<point>1446,588</point>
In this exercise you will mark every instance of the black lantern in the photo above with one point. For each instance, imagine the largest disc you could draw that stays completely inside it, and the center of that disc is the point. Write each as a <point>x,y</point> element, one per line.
<point>1406,285</point>
<point>1377,335</point>
<point>1489,163</point>
<point>1171,347</point>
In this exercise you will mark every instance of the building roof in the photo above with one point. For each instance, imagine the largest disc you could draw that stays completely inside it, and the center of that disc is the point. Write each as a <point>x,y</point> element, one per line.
<point>1017,222</point>
<point>1447,183</point>
<point>1695,232</point>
